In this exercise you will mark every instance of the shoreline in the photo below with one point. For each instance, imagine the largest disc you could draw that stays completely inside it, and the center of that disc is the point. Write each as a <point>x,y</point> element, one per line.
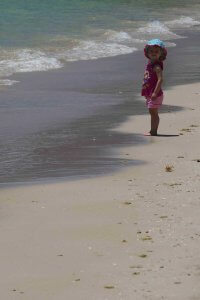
<point>85,143</point>
<point>130,234</point>
<point>50,144</point>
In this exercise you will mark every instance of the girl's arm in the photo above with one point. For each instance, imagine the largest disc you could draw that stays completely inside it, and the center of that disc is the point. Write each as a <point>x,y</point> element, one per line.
<point>159,74</point>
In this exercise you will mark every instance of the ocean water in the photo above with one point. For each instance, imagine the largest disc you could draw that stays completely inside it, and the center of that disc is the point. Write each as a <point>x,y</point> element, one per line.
<point>42,35</point>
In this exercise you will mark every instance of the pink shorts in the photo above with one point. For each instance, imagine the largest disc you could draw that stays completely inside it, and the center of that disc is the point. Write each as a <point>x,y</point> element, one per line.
<point>154,103</point>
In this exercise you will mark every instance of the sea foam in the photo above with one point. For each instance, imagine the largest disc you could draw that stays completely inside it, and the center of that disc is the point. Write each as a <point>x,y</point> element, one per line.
<point>182,22</point>
<point>157,27</point>
<point>27,60</point>
<point>93,50</point>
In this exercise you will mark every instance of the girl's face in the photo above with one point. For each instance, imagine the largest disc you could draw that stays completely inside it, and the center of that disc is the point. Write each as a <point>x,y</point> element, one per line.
<point>154,53</point>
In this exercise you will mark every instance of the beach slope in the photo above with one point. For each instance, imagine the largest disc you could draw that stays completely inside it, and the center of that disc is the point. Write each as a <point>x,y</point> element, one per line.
<point>133,234</point>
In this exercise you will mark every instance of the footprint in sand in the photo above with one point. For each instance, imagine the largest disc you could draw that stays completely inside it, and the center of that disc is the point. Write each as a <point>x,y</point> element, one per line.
<point>76,280</point>
<point>146,238</point>
<point>136,273</point>
<point>124,241</point>
<point>169,168</point>
<point>174,184</point>
<point>186,130</point>
<point>163,217</point>
<point>194,125</point>
<point>143,255</point>
<point>127,202</point>
<point>136,267</point>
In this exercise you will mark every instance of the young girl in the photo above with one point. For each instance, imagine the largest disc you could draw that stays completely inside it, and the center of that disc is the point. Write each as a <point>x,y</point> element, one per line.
<point>156,52</point>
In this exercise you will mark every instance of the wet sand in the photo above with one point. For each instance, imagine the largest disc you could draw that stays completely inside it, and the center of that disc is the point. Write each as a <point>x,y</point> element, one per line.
<point>56,124</point>
<point>133,234</point>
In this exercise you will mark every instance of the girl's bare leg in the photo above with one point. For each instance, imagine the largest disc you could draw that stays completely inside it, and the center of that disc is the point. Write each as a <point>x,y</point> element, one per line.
<point>154,120</point>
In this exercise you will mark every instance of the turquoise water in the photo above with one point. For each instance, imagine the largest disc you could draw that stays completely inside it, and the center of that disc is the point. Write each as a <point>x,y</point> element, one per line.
<point>42,35</point>
<point>24,22</point>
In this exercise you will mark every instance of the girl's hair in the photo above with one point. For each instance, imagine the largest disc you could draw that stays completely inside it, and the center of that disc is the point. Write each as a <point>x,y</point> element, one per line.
<point>158,43</point>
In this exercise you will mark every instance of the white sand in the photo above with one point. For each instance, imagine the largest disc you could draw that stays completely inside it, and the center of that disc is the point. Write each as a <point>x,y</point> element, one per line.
<point>71,240</point>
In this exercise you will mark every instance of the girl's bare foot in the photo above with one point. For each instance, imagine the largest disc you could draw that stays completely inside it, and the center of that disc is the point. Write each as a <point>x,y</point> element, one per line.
<point>153,133</point>
<point>147,134</point>
<point>150,133</point>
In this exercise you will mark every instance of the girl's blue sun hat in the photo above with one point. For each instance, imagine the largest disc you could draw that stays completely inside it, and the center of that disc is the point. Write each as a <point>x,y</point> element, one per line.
<point>159,43</point>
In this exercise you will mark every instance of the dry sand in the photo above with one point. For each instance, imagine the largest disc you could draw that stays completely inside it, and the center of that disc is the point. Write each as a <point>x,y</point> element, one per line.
<point>131,235</point>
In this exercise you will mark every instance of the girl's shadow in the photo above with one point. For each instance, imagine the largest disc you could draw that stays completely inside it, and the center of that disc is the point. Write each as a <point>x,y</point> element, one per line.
<point>168,135</point>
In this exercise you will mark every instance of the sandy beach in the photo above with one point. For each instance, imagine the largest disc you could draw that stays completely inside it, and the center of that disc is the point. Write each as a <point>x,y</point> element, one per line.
<point>91,208</point>
<point>133,234</point>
